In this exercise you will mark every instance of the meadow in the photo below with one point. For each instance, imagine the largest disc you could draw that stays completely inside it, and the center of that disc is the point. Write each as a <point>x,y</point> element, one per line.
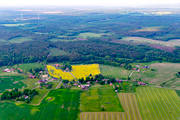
<point>29,66</point>
<point>116,72</point>
<point>158,103</point>
<point>9,82</point>
<point>100,98</point>
<point>58,104</point>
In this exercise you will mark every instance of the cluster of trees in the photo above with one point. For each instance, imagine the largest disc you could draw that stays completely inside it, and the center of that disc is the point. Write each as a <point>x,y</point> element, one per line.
<point>98,79</point>
<point>35,71</point>
<point>25,95</point>
<point>178,74</point>
<point>66,66</point>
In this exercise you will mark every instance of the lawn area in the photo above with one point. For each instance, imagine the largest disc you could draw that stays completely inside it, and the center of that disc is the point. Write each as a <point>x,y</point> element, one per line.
<point>99,97</point>
<point>116,72</point>
<point>158,103</point>
<point>60,104</point>
<point>9,82</point>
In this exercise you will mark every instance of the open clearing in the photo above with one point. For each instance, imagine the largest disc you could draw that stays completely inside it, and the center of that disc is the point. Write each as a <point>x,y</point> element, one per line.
<point>158,103</point>
<point>116,72</point>
<point>129,103</point>
<point>59,104</point>
<point>148,29</point>
<point>58,52</point>
<point>14,25</point>
<point>89,35</point>
<point>100,98</point>
<point>141,40</point>
<point>20,40</point>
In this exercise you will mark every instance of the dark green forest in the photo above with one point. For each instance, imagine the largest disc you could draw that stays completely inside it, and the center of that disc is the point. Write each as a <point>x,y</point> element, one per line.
<point>62,33</point>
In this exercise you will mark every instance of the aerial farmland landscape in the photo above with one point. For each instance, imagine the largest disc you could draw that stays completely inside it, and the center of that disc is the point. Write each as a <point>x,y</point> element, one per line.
<point>90,60</point>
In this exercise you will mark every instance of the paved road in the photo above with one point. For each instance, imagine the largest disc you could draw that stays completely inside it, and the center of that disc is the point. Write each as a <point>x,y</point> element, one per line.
<point>59,84</point>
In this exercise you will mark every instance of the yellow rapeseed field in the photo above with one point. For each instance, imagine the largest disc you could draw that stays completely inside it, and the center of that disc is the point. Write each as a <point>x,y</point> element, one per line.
<point>58,73</point>
<point>78,71</point>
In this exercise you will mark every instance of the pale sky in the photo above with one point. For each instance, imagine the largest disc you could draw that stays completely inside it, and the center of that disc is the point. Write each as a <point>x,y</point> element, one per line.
<point>130,3</point>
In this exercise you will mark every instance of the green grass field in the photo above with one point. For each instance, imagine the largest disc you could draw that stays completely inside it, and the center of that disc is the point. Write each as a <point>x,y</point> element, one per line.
<point>98,97</point>
<point>9,82</point>
<point>158,103</point>
<point>28,66</point>
<point>116,72</point>
<point>59,104</point>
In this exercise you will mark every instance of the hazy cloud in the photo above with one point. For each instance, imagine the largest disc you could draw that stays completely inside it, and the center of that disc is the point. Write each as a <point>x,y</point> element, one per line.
<point>131,3</point>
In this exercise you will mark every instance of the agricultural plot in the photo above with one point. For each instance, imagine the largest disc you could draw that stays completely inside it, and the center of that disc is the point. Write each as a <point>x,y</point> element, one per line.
<point>129,103</point>
<point>78,71</point>
<point>14,25</point>
<point>82,71</point>
<point>59,104</point>
<point>163,75</point>
<point>149,29</point>
<point>141,40</point>
<point>116,72</point>
<point>58,73</point>
<point>27,67</point>
<point>9,82</point>
<point>89,35</point>
<point>158,103</point>
<point>20,40</point>
<point>100,98</point>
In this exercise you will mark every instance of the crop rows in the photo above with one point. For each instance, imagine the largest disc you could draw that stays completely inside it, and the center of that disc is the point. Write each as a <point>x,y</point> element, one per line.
<point>129,104</point>
<point>158,103</point>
